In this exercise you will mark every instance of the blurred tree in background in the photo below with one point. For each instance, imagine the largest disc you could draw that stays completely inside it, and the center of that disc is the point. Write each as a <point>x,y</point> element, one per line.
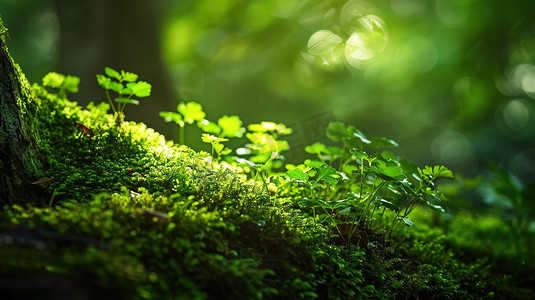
<point>453,81</point>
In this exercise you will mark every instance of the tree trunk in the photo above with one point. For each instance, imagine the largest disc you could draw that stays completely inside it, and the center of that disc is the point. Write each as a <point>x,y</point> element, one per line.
<point>19,163</point>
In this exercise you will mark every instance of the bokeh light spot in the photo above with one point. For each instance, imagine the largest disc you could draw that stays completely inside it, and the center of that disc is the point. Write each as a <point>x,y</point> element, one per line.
<point>46,42</point>
<point>452,148</point>
<point>516,114</point>
<point>208,43</point>
<point>322,42</point>
<point>366,42</point>
<point>350,15</point>
<point>418,54</point>
<point>527,81</point>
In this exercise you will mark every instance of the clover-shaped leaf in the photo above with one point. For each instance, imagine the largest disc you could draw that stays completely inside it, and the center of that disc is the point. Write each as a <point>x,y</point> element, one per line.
<point>112,73</point>
<point>103,81</point>
<point>70,83</point>
<point>316,148</point>
<point>116,86</point>
<point>328,174</point>
<point>231,126</point>
<point>390,169</point>
<point>209,127</point>
<point>169,116</point>
<point>53,80</point>
<point>140,88</point>
<point>314,163</point>
<point>298,174</point>
<point>360,154</point>
<point>192,112</point>
<point>431,174</point>
<point>128,76</point>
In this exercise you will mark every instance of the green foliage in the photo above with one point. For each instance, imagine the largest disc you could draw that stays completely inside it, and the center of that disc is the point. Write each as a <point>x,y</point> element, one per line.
<point>368,186</point>
<point>63,83</point>
<point>125,85</point>
<point>217,145</point>
<point>134,216</point>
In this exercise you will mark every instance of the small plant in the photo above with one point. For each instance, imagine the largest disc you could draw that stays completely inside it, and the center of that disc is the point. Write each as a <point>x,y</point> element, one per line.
<point>192,112</point>
<point>187,113</point>
<point>63,83</point>
<point>126,86</point>
<point>364,183</point>
<point>217,145</point>
<point>264,142</point>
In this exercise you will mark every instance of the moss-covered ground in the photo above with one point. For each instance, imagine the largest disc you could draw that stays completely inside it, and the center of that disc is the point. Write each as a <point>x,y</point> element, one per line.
<point>130,215</point>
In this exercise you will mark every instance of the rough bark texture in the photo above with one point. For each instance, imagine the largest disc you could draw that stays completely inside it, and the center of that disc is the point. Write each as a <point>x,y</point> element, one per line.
<point>19,165</point>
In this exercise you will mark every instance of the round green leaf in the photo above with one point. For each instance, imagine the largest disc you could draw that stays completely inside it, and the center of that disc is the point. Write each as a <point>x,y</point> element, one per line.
<point>112,73</point>
<point>231,126</point>
<point>209,127</point>
<point>192,112</point>
<point>140,88</point>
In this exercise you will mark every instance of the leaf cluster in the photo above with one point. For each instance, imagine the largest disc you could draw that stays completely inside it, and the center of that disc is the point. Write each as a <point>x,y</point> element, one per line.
<point>125,86</point>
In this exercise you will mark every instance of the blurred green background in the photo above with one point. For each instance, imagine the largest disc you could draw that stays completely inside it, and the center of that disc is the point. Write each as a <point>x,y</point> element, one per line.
<point>453,81</point>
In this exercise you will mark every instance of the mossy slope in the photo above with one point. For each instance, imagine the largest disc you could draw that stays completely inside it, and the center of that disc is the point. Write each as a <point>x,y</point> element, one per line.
<point>133,216</point>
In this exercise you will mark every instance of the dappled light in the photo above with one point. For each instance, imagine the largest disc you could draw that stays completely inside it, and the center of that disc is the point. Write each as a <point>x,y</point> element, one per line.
<point>358,39</point>
<point>267,149</point>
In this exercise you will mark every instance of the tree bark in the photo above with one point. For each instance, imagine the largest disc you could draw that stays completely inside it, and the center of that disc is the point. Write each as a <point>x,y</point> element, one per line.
<point>19,163</point>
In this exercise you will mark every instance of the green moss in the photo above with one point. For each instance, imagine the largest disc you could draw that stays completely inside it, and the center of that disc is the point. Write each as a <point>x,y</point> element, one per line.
<point>3,30</point>
<point>135,216</point>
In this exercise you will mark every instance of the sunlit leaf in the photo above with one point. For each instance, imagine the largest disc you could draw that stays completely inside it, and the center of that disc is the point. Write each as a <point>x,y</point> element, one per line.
<point>359,135</point>
<point>388,204</point>
<point>431,173</point>
<point>351,137</point>
<point>115,86</point>
<point>245,162</point>
<point>407,221</point>
<point>192,111</point>
<point>140,88</point>
<point>128,76</point>
<point>103,81</point>
<point>170,116</point>
<point>112,73</point>
<point>381,142</point>
<point>70,83</point>
<point>231,126</point>
<point>262,127</point>
<point>327,174</point>
<point>390,170</point>
<point>434,207</point>
<point>360,154</point>
<point>53,79</point>
<point>298,174</point>
<point>314,163</point>
<point>316,148</point>
<point>265,126</point>
<point>337,131</point>
<point>225,151</point>
<point>209,127</point>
